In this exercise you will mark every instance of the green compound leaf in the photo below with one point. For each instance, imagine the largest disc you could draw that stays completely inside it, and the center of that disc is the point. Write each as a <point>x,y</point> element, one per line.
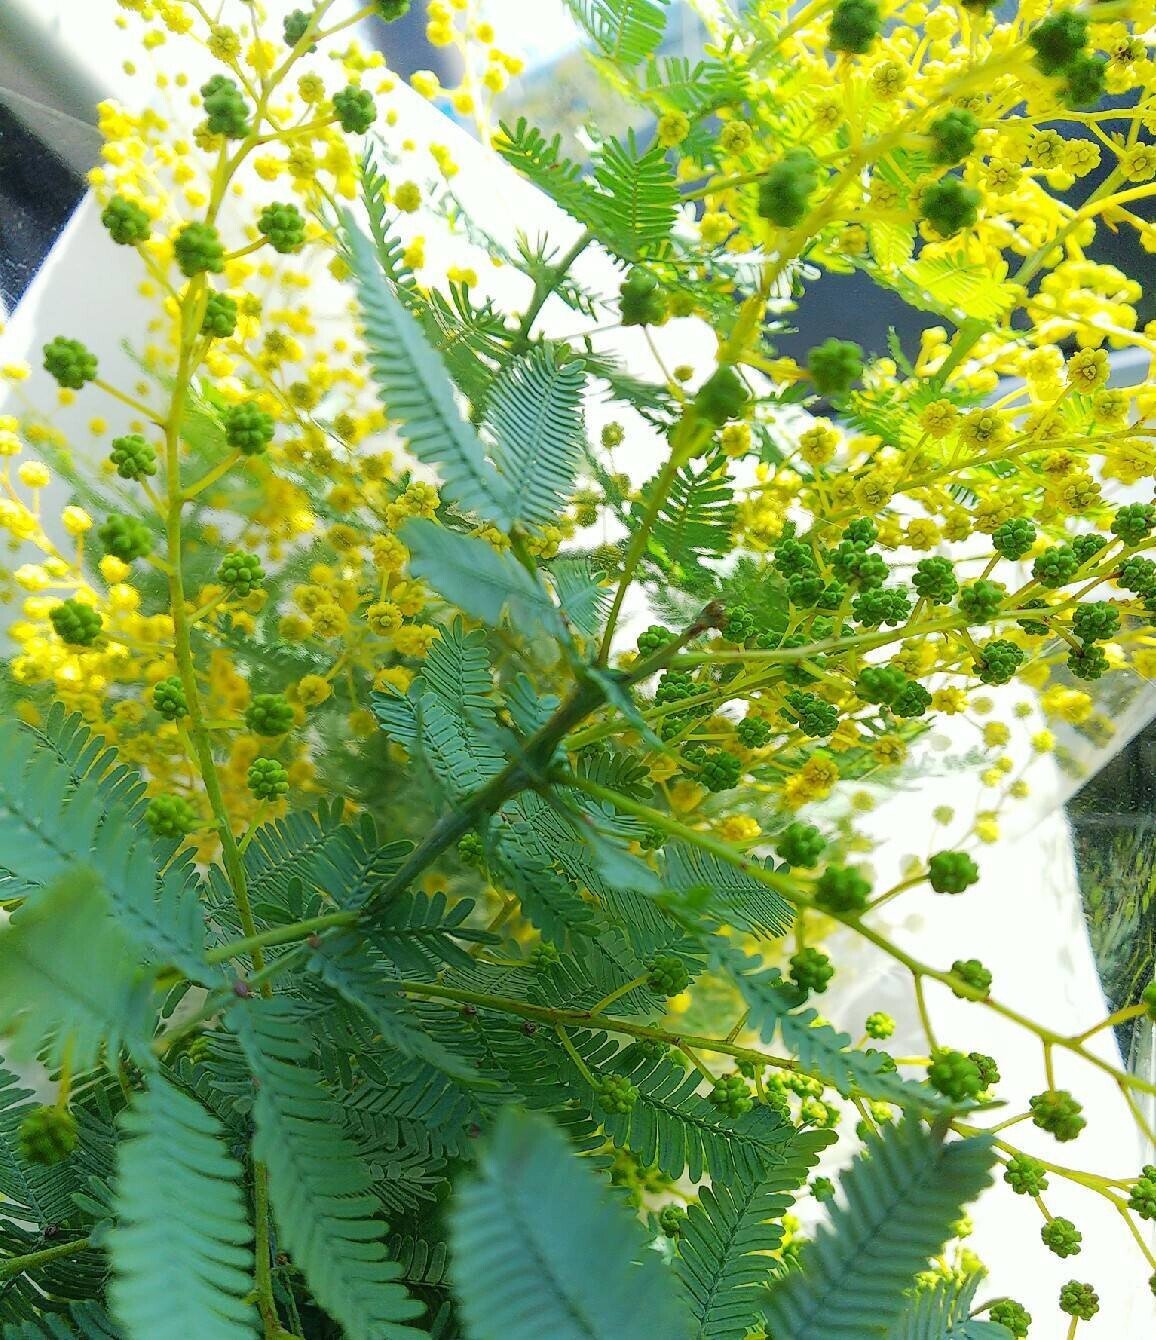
<point>71,983</point>
<point>820,1049</point>
<point>942,1313</point>
<point>722,1257</point>
<point>626,31</point>
<point>417,394</point>
<point>524,1270</point>
<point>66,802</point>
<point>535,416</point>
<point>473,575</point>
<point>319,1185</point>
<point>899,1204</point>
<point>180,1249</point>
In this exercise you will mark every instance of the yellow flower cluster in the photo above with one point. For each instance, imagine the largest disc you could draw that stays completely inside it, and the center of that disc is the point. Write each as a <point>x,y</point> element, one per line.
<point>319,508</point>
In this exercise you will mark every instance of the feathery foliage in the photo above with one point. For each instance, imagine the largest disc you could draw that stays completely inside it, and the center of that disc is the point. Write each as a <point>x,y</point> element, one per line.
<point>180,1251</point>
<point>594,1278</point>
<point>421,395</point>
<point>903,1196</point>
<point>320,1190</point>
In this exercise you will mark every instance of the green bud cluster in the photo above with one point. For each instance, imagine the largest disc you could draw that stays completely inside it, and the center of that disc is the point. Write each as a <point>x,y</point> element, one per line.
<point>248,428</point>
<point>786,188</point>
<point>1134,523</point>
<point>169,698</point>
<point>716,769</point>
<point>267,779</point>
<point>355,109</point>
<point>801,845</point>
<point>879,1026</point>
<point>952,137</point>
<point>1056,566</point>
<point>882,606</point>
<point>226,112</point>
<point>814,717</point>
<point>835,366</point>
<point>972,971</point>
<point>47,1135</point>
<point>1025,1175</point>
<point>732,1096</point>
<point>1014,538</point>
<point>854,26</point>
<point>125,537</point>
<point>753,732</point>
<point>269,714</point>
<point>1014,1316</point>
<point>841,889</point>
<point>1062,1237</point>
<point>935,580</point>
<point>170,816</point>
<point>999,661</point>
<point>133,457</point>
<point>198,249</point>
<point>653,639</point>
<point>721,397</point>
<point>76,623</point>
<point>127,223</point>
<point>295,26</point>
<point>954,1075</point>
<point>641,301</point>
<point>811,970</point>
<point>69,363</point>
<point>615,1094</point>
<point>1079,1300</point>
<point>241,573</point>
<point>545,955</point>
<point>667,975</point>
<point>1058,1113</point>
<point>283,227</point>
<point>979,601</point>
<point>220,318</point>
<point>948,206</point>
<point>952,872</point>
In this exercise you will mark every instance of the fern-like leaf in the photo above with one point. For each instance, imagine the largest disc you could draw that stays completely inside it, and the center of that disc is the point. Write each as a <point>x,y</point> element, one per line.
<point>942,1312</point>
<point>522,1270</point>
<point>321,1191</point>
<point>696,518</point>
<point>820,1049</point>
<point>582,593</point>
<point>180,1249</point>
<point>66,802</point>
<point>535,416</point>
<point>347,967</point>
<point>722,1255</point>
<point>899,1204</point>
<point>626,31</point>
<point>419,395</point>
<point>726,894</point>
<point>71,982</point>
<point>476,577</point>
<point>638,197</point>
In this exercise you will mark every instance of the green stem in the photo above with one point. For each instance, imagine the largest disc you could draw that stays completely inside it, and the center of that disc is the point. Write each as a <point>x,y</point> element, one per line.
<point>794,895</point>
<point>280,935</point>
<point>182,645</point>
<point>18,1265</point>
<point>586,1019</point>
<point>617,994</point>
<point>545,287</point>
